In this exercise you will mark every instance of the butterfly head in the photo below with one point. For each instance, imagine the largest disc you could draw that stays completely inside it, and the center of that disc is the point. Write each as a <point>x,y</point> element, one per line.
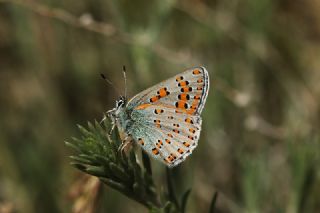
<point>115,112</point>
<point>121,102</point>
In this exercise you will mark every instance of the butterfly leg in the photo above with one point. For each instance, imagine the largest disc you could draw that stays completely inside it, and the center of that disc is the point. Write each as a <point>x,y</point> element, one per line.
<point>109,134</point>
<point>111,130</point>
<point>103,119</point>
<point>126,144</point>
<point>111,115</point>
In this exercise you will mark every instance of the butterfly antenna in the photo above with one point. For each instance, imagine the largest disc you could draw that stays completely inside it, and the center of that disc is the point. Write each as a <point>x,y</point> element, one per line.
<point>125,81</point>
<point>109,82</point>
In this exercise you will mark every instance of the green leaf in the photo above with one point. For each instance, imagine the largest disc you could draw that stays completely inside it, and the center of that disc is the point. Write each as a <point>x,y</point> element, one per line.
<point>97,155</point>
<point>114,184</point>
<point>146,162</point>
<point>169,207</point>
<point>171,191</point>
<point>71,145</point>
<point>118,171</point>
<point>80,160</point>
<point>79,166</point>
<point>213,202</point>
<point>90,158</point>
<point>91,128</point>
<point>84,131</point>
<point>185,200</point>
<point>96,171</point>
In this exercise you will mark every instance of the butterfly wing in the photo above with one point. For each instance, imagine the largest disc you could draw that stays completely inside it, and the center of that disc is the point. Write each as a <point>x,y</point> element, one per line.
<point>166,117</point>
<point>186,91</point>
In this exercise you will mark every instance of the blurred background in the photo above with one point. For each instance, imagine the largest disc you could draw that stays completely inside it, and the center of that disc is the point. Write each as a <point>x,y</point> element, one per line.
<point>260,142</point>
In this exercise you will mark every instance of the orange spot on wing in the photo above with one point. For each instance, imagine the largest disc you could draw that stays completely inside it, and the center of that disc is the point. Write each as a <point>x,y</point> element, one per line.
<point>180,150</point>
<point>140,141</point>
<point>173,155</point>
<point>191,111</point>
<point>197,97</point>
<point>183,83</point>
<point>184,96</point>
<point>186,144</point>
<point>176,131</point>
<point>155,151</point>
<point>157,121</point>
<point>170,158</point>
<point>192,130</point>
<point>158,111</point>
<point>181,105</point>
<point>154,99</point>
<point>181,111</point>
<point>195,104</point>
<point>196,72</point>
<point>179,78</point>
<point>163,92</point>
<point>200,80</point>
<point>143,106</point>
<point>186,89</point>
<point>188,120</point>
<point>190,137</point>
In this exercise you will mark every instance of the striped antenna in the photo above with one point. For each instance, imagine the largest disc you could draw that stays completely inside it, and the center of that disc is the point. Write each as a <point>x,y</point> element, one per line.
<point>109,82</point>
<point>125,81</point>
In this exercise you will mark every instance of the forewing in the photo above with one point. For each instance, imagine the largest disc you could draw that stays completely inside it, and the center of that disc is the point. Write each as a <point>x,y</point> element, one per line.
<point>186,92</point>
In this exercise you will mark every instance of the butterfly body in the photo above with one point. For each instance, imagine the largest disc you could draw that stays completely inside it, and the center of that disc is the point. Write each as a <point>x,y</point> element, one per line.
<point>164,120</point>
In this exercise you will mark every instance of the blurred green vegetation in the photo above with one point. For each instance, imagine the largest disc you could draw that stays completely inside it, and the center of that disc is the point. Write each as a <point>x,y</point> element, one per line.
<point>259,146</point>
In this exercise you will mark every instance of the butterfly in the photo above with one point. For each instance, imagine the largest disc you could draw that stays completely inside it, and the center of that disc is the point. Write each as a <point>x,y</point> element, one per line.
<point>164,120</point>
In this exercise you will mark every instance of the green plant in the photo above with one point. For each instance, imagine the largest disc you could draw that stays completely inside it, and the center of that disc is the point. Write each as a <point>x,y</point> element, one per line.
<point>97,154</point>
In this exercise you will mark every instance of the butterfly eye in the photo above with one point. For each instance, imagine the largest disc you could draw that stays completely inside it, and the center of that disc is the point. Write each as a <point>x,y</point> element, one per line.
<point>121,102</point>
